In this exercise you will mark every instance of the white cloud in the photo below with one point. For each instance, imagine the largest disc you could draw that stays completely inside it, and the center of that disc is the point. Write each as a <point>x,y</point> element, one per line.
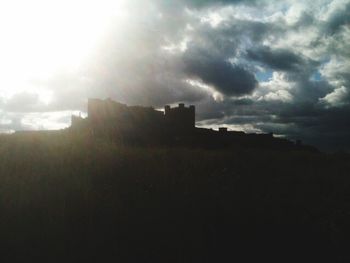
<point>248,128</point>
<point>279,95</point>
<point>294,12</point>
<point>275,89</point>
<point>337,97</point>
<point>335,70</point>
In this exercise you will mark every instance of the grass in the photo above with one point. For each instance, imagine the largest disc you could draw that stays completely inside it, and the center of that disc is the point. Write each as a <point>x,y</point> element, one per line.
<point>67,197</point>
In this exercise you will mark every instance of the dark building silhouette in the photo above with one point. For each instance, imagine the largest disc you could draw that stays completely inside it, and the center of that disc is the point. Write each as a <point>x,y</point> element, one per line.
<point>180,118</point>
<point>175,127</point>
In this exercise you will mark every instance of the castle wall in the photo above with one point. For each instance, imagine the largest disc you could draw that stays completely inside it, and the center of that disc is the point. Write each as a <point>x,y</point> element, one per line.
<point>175,126</point>
<point>101,112</point>
<point>180,118</point>
<point>108,117</point>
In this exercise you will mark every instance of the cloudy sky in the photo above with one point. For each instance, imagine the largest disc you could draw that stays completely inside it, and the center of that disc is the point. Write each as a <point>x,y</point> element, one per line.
<point>254,65</point>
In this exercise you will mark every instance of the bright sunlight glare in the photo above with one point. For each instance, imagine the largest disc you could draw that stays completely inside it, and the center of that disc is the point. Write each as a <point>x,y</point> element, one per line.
<point>41,37</point>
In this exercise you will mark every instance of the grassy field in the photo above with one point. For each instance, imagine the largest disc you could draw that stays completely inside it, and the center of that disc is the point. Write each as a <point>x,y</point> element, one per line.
<point>71,198</point>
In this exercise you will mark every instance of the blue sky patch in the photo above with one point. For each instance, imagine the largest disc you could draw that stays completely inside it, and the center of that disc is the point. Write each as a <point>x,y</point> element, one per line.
<point>263,76</point>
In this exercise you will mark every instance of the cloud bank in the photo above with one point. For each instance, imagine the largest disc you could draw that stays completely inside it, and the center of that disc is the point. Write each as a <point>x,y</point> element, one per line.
<point>258,66</point>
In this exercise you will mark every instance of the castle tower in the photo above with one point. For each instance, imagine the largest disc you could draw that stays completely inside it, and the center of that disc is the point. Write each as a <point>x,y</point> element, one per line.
<point>180,118</point>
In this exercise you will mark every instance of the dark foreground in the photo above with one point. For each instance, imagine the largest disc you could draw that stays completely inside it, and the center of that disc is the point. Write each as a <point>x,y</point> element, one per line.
<point>73,199</point>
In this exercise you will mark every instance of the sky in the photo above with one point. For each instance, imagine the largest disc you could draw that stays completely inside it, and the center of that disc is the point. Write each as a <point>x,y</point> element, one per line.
<point>254,65</point>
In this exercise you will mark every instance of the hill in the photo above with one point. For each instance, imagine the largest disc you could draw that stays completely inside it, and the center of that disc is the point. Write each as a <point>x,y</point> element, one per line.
<point>68,197</point>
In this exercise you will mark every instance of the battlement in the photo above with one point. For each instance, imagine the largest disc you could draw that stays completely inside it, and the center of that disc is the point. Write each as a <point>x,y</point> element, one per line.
<point>181,117</point>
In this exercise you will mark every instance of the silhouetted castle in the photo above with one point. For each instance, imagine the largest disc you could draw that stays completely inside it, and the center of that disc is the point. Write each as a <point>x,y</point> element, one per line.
<point>174,127</point>
<point>108,117</point>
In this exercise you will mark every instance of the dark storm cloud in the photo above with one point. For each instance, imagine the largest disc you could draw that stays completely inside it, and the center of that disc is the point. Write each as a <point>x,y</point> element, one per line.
<point>317,125</point>
<point>278,59</point>
<point>310,91</point>
<point>337,20</point>
<point>229,79</point>
<point>235,32</point>
<point>328,129</point>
